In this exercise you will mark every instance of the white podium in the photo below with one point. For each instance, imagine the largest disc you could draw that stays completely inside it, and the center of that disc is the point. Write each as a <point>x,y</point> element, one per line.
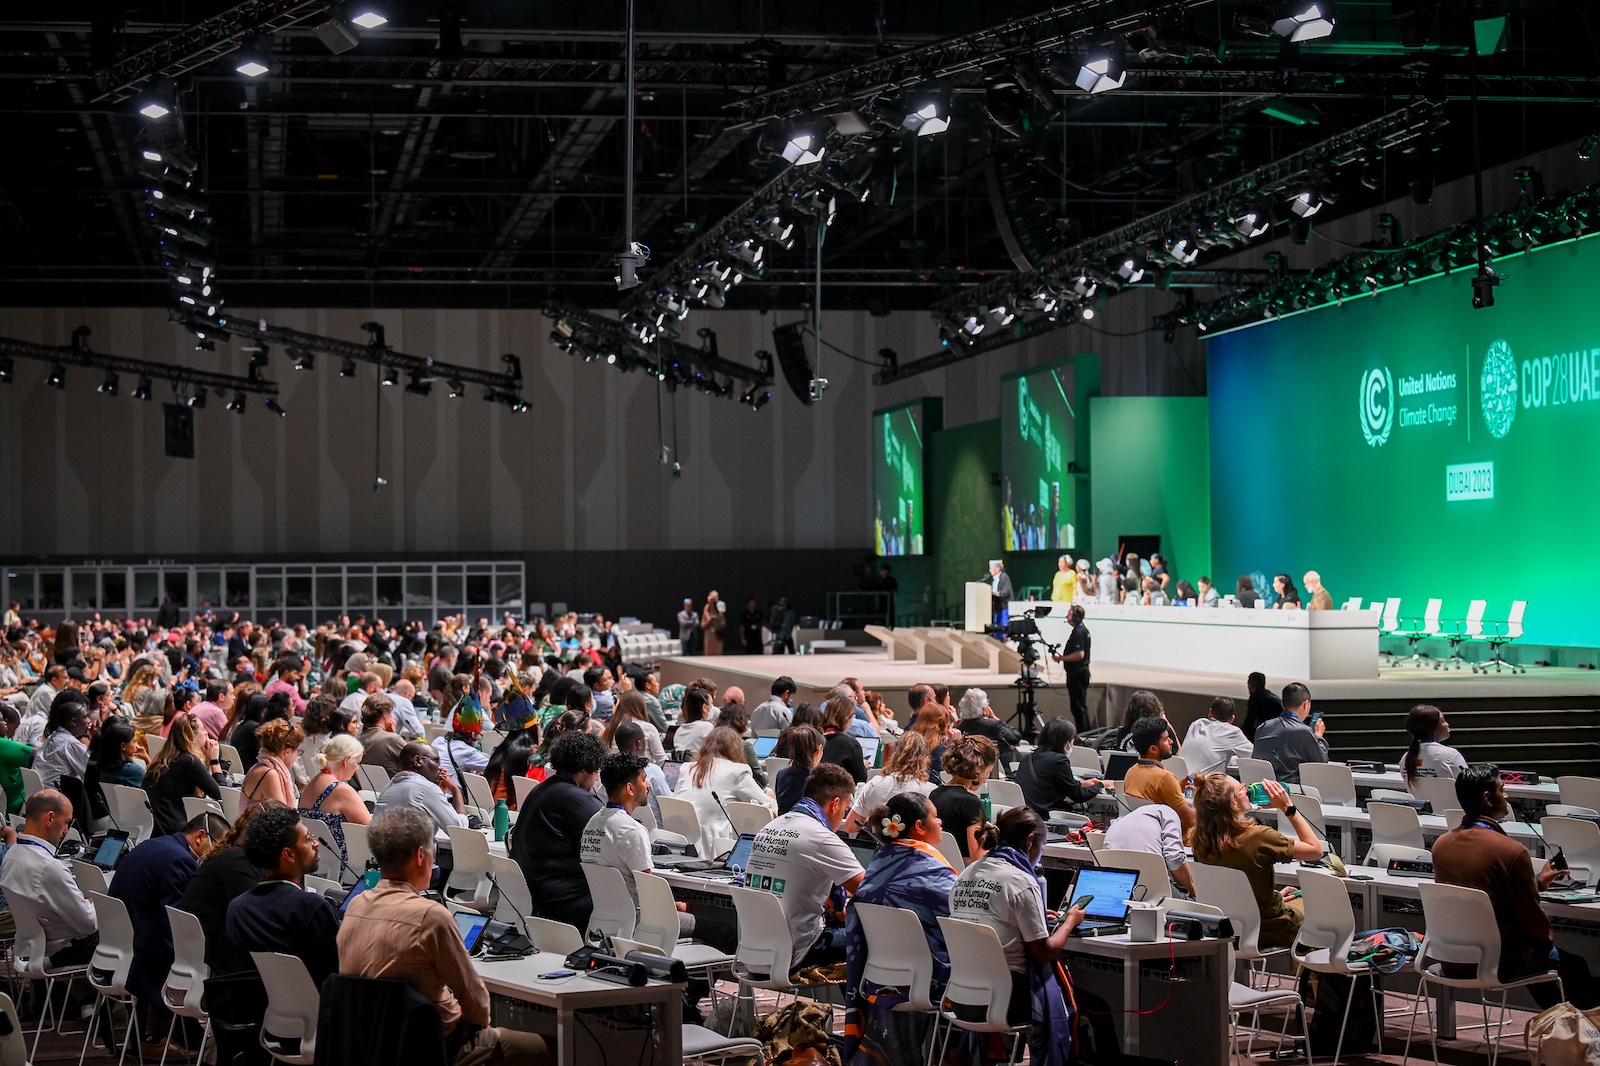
<point>979,606</point>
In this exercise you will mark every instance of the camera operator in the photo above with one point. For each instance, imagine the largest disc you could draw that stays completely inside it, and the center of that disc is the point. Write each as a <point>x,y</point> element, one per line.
<point>1075,656</point>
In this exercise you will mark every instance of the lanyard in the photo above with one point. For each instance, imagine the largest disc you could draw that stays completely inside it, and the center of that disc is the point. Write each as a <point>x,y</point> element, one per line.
<point>42,847</point>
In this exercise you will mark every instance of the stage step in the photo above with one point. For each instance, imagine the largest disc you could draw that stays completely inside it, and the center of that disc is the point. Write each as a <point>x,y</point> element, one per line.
<point>1552,742</point>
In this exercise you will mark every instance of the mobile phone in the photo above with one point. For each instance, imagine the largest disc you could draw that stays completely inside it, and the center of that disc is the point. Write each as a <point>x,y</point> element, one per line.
<point>1257,792</point>
<point>556,975</point>
<point>1081,902</point>
<point>1558,860</point>
<point>1316,716</point>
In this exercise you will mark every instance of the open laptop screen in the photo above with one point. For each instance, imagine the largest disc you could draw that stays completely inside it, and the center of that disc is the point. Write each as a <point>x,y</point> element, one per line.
<point>765,746</point>
<point>1110,888</point>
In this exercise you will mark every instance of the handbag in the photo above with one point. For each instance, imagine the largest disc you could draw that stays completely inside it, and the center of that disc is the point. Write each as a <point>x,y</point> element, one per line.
<point>1564,1036</point>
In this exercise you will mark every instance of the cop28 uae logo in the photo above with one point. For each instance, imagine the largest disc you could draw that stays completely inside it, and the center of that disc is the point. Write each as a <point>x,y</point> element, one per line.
<point>1377,405</point>
<point>1498,389</point>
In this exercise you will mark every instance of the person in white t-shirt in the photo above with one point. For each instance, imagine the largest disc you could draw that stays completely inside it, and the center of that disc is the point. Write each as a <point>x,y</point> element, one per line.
<point>1213,742</point>
<point>1428,755</point>
<point>694,723</point>
<point>1154,828</point>
<point>905,771</point>
<point>799,858</point>
<point>614,838</point>
<point>1001,890</point>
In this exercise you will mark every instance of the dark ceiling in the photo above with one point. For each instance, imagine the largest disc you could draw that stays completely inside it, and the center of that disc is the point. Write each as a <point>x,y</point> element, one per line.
<point>472,153</point>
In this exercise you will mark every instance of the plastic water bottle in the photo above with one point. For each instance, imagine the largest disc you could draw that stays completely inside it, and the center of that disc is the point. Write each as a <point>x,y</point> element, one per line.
<point>988,806</point>
<point>372,876</point>
<point>502,819</point>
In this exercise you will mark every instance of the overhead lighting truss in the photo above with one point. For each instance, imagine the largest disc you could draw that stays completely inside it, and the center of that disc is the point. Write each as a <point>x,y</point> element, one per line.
<point>596,338</point>
<point>183,378</point>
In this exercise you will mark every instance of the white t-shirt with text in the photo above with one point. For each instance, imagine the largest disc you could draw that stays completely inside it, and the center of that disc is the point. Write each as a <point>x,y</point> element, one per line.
<point>799,861</point>
<point>614,838</point>
<point>995,893</point>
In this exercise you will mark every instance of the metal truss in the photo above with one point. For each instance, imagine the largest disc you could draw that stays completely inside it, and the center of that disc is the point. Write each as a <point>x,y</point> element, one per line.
<point>81,355</point>
<point>661,352</point>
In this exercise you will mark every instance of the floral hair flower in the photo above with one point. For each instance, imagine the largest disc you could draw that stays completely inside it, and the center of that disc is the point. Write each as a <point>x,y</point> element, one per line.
<point>893,826</point>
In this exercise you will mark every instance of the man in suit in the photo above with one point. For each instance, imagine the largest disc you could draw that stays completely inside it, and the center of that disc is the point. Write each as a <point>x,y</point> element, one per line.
<point>1000,582</point>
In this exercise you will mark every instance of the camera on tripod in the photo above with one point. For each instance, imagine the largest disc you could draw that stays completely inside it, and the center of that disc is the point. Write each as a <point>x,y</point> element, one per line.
<point>1025,631</point>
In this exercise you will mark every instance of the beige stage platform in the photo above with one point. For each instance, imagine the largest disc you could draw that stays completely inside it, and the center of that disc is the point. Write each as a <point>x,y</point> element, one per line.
<point>1185,694</point>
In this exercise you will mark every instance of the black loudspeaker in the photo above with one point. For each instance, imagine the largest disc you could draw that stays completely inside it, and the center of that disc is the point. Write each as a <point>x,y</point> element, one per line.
<point>795,363</point>
<point>177,431</point>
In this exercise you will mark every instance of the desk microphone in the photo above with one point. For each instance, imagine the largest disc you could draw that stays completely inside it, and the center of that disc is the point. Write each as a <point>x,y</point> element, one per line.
<point>724,809</point>
<point>512,948</point>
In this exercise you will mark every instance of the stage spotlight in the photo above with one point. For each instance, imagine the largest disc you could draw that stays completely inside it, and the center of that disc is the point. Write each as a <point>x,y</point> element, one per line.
<point>1102,69</point>
<point>1002,314</point>
<point>8,369</point>
<point>253,60</point>
<point>1306,203</point>
<point>756,397</point>
<point>972,321</point>
<point>749,250</point>
<point>806,143</point>
<point>1253,221</point>
<point>928,113</point>
<point>236,405</point>
<point>457,389</point>
<point>369,18</point>
<point>391,376</point>
<point>347,369</point>
<point>58,376</point>
<point>303,360</point>
<point>1084,285</point>
<point>1130,268</point>
<point>143,389</point>
<point>197,398</point>
<point>272,405</point>
<point>417,386</point>
<point>1483,288</point>
<point>108,387</point>
<point>775,229</point>
<point>1182,249</point>
<point>1007,104</point>
<point>1304,20</point>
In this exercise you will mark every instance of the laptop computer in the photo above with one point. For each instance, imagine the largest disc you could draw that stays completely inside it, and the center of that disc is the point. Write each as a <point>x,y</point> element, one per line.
<point>869,750</point>
<point>471,926</point>
<point>1111,889</point>
<point>764,746</point>
<point>110,849</point>
<point>1118,763</point>
<point>736,859</point>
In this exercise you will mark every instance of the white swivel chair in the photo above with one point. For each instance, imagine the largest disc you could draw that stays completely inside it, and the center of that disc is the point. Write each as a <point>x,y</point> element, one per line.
<point>1178,766</point>
<point>479,794</point>
<point>153,743</point>
<point>1438,792</point>
<point>355,844</point>
<point>29,963</point>
<point>289,1029</point>
<point>195,806</point>
<point>773,764</point>
<point>522,785</point>
<point>513,903</point>
<point>614,913</point>
<point>14,1044</point>
<point>469,886</point>
<point>1085,761</point>
<point>766,950</point>
<point>373,778</point>
<point>31,781</point>
<point>557,938</point>
<point>1323,942</point>
<point>234,762</point>
<point>1253,770</point>
<point>1334,782</point>
<point>184,987</point>
<point>748,817</point>
<point>1580,791</point>
<point>1468,628</point>
<point>658,927</point>
<point>231,798</point>
<point>979,980</point>
<point>1579,841</point>
<point>1461,928</point>
<point>1006,794</point>
<point>328,864</point>
<point>1427,627</point>
<point>1311,808</point>
<point>108,970</point>
<point>897,954</point>
<point>1389,625</point>
<point>1242,998</point>
<point>951,850</point>
<point>1229,889</point>
<point>90,877</point>
<point>1504,633</point>
<point>679,816</point>
<point>131,808</point>
<point>1395,825</point>
<point>1154,881</point>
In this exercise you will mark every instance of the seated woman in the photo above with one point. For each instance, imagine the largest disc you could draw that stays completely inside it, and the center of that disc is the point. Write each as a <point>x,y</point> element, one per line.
<point>116,756</point>
<point>187,766</point>
<point>1222,837</point>
<point>966,767</point>
<point>329,797</point>
<point>718,768</point>
<point>908,873</point>
<point>694,722</point>
<point>1428,755</point>
<point>270,777</point>
<point>633,707</point>
<point>936,725</point>
<point>804,746</point>
<point>511,758</point>
<point>323,720</point>
<point>838,746</point>
<point>906,770</point>
<point>1046,775</point>
<point>1001,890</point>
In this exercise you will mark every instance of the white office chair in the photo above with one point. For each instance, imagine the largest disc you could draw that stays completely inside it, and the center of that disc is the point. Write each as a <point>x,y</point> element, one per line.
<point>1253,770</point>
<point>1154,881</point>
<point>773,765</point>
<point>1389,625</point>
<point>614,913</point>
<point>1504,633</point>
<point>184,988</point>
<point>706,1046</point>
<point>1242,998</point>
<point>1580,791</point>
<point>1323,942</point>
<point>557,938</point>
<point>897,955</point>
<point>231,798</point>
<point>1352,604</point>
<point>1569,810</point>
<point>1005,794</point>
<point>131,808</point>
<point>30,963</point>
<point>1468,628</point>
<point>1334,782</point>
<point>1177,766</point>
<point>1437,792</point>
<point>90,877</point>
<point>153,743</point>
<point>328,861</point>
<point>234,762</point>
<point>14,1044</point>
<point>1429,627</point>
<point>658,927</point>
<point>522,785</point>
<point>766,950</point>
<point>1396,825</point>
<point>195,806</point>
<point>1579,841</point>
<point>1380,855</point>
<point>31,781</point>
<point>979,980</point>
<point>479,794</point>
<point>1461,927</point>
<point>108,970</point>
<point>951,850</point>
<point>491,739</point>
<point>356,846</point>
<point>679,816</point>
<point>469,886</point>
<point>289,1029</point>
<point>374,778</point>
<point>1311,808</point>
<point>1085,761</point>
<point>748,817</point>
<point>1225,887</point>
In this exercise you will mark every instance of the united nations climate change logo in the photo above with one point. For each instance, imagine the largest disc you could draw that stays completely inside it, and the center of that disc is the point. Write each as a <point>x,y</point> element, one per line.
<point>1377,405</point>
<point>1498,388</point>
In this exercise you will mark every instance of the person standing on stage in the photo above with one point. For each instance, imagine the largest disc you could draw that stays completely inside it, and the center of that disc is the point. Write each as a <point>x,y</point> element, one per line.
<point>1000,582</point>
<point>713,620</point>
<point>750,627</point>
<point>1064,586</point>
<point>688,626</point>
<point>1321,598</point>
<point>1075,656</point>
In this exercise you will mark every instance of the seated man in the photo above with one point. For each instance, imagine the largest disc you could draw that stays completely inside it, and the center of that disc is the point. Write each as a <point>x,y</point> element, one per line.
<point>33,874</point>
<point>422,784</point>
<point>65,747</point>
<point>393,932</point>
<point>1148,779</point>
<point>550,829</point>
<point>799,857</point>
<point>1287,740</point>
<point>1478,854</point>
<point>1154,829</point>
<point>381,742</point>
<point>279,914</point>
<point>1213,742</point>
<point>151,878</point>
<point>629,739</point>
<point>613,838</point>
<point>977,719</point>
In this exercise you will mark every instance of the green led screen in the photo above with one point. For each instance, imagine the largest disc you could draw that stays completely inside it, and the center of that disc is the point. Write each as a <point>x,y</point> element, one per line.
<point>1408,445</point>
<point>1037,449</point>
<point>899,436</point>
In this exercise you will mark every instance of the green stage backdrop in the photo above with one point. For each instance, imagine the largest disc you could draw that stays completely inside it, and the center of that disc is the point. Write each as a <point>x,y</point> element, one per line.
<point>1151,476</point>
<point>899,436</point>
<point>1408,445</point>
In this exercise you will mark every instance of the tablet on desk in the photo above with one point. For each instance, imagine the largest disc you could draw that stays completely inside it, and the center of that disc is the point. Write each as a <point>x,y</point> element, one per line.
<point>110,850</point>
<point>471,926</point>
<point>764,746</point>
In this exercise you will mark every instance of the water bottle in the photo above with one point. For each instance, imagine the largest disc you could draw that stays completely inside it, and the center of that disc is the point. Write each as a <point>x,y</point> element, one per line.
<point>372,876</point>
<point>502,819</point>
<point>988,806</point>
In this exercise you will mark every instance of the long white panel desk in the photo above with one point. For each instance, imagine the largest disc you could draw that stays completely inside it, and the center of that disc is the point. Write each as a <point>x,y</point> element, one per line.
<point>1310,645</point>
<point>1542,793</point>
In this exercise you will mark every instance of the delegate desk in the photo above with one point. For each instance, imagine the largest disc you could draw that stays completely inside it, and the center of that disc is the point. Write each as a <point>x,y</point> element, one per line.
<point>1350,829</point>
<point>1544,792</point>
<point>517,981</point>
<point>1314,645</point>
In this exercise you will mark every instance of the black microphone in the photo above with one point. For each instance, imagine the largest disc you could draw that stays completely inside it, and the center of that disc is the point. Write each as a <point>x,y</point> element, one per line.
<point>725,813</point>
<point>522,920</point>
